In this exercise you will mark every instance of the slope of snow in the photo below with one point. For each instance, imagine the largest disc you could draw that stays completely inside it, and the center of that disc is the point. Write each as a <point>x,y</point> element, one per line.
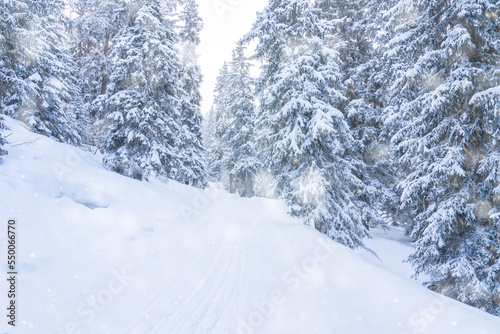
<point>392,249</point>
<point>100,253</point>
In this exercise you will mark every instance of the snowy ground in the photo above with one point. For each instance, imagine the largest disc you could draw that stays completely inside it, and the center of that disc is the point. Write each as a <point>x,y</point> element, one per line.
<point>101,253</point>
<point>392,248</point>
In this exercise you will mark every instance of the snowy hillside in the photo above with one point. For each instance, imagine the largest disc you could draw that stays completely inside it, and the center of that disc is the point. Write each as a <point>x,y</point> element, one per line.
<point>102,253</point>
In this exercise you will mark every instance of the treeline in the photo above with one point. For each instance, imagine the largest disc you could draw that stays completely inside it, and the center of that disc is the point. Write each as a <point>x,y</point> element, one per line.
<point>369,113</point>
<point>121,75</point>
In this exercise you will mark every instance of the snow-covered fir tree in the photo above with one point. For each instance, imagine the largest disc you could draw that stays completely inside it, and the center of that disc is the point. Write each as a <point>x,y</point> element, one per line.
<point>189,140</point>
<point>303,130</point>
<point>11,87</point>
<point>210,142</point>
<point>37,69</point>
<point>218,122</point>
<point>95,25</point>
<point>141,104</point>
<point>13,51</point>
<point>359,26</point>
<point>238,130</point>
<point>241,133</point>
<point>441,54</point>
<point>485,106</point>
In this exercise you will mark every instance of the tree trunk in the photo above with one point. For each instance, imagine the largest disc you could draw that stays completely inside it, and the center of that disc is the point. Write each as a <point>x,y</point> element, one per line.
<point>104,71</point>
<point>231,183</point>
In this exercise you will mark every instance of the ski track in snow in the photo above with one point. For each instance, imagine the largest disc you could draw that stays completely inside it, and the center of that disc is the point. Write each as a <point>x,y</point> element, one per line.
<point>189,312</point>
<point>215,305</point>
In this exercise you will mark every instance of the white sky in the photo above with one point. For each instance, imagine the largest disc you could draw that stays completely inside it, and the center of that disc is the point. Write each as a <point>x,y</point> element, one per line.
<point>225,22</point>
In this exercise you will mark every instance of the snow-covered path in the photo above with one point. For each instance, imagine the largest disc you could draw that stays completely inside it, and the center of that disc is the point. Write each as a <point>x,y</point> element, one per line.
<point>205,294</point>
<point>101,253</point>
<point>222,279</point>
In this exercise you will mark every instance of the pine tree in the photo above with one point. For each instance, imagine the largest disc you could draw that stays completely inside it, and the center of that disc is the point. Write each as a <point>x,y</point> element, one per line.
<point>239,131</point>
<point>359,26</point>
<point>190,141</point>
<point>211,142</point>
<point>305,134</point>
<point>486,105</point>
<point>219,118</point>
<point>11,87</point>
<point>13,52</point>
<point>96,24</point>
<point>37,69</point>
<point>141,102</point>
<point>440,56</point>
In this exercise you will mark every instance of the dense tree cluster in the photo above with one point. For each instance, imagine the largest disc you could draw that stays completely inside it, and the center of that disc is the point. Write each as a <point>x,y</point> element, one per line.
<point>37,69</point>
<point>120,74</point>
<point>233,148</point>
<point>443,121</point>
